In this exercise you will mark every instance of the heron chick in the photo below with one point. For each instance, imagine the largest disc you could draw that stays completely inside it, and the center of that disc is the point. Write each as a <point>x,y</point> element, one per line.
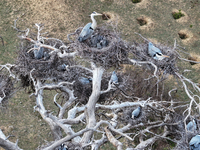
<point>191,126</point>
<point>114,78</point>
<point>136,113</point>
<point>89,28</point>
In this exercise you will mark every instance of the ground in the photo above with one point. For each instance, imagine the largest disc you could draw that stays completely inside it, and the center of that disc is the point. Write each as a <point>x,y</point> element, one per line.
<point>61,17</point>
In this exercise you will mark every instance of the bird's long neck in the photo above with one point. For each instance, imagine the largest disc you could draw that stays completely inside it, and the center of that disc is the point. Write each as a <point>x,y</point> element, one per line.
<point>94,23</point>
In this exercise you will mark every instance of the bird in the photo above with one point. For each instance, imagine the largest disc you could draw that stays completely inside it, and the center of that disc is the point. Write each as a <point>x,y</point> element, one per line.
<point>38,51</point>
<point>191,126</point>
<point>136,112</point>
<point>89,28</point>
<point>62,67</point>
<point>114,78</point>
<point>195,143</point>
<point>98,41</point>
<point>63,147</point>
<point>84,80</point>
<point>155,52</point>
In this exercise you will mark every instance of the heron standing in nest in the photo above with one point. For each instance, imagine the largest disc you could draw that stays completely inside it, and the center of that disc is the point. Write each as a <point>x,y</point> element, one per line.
<point>89,28</point>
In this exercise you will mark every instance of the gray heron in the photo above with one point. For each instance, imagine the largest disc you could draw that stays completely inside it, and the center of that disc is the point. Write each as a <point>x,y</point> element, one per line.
<point>191,126</point>
<point>155,52</point>
<point>136,113</point>
<point>62,67</point>
<point>89,28</point>
<point>195,143</point>
<point>84,80</point>
<point>114,78</point>
<point>38,51</point>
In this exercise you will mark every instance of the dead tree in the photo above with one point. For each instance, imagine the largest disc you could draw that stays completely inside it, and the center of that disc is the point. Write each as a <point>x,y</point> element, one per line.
<point>102,107</point>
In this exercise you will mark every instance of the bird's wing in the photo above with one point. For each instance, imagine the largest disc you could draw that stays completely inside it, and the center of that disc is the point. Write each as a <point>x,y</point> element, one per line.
<point>86,31</point>
<point>189,125</point>
<point>195,140</point>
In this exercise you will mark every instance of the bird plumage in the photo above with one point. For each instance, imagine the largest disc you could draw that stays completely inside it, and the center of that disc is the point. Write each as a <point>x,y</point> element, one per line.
<point>136,112</point>
<point>195,143</point>
<point>89,28</point>
<point>62,67</point>
<point>191,126</point>
<point>114,78</point>
<point>98,41</point>
<point>155,52</point>
<point>84,80</point>
<point>38,51</point>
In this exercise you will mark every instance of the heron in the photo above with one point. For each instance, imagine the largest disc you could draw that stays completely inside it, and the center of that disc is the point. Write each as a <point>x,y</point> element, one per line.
<point>136,112</point>
<point>155,52</point>
<point>89,28</point>
<point>84,80</point>
<point>195,143</point>
<point>191,126</point>
<point>38,51</point>
<point>114,78</point>
<point>62,67</point>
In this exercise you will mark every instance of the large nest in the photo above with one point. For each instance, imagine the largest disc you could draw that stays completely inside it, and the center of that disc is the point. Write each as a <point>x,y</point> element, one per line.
<point>168,65</point>
<point>43,69</point>
<point>114,53</point>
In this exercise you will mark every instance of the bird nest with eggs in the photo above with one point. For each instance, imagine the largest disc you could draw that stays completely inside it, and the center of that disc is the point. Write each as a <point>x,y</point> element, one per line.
<point>104,47</point>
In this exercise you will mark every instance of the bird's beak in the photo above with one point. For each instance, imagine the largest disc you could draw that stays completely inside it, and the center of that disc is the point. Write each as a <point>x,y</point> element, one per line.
<point>99,14</point>
<point>165,56</point>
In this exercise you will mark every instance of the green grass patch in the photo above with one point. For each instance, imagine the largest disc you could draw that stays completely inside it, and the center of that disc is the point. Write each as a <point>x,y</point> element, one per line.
<point>177,15</point>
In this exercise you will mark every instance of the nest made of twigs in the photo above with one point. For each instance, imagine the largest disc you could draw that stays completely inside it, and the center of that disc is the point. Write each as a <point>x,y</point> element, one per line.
<point>42,69</point>
<point>113,54</point>
<point>168,65</point>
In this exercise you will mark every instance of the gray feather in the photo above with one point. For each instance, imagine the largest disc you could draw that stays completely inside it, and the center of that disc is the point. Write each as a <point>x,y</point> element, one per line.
<point>195,143</point>
<point>38,54</point>
<point>86,32</point>
<point>152,50</point>
<point>114,78</point>
<point>191,126</point>
<point>136,112</point>
<point>84,80</point>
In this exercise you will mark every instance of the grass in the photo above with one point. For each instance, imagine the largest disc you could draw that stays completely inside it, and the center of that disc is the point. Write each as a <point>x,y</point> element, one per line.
<point>59,21</point>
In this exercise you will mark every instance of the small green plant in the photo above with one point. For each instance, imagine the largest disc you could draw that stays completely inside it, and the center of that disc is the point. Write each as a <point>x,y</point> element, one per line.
<point>136,1</point>
<point>177,15</point>
<point>191,26</point>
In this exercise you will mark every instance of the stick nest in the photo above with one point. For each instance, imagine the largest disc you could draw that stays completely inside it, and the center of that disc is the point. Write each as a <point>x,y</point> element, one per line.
<point>168,65</point>
<point>115,53</point>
